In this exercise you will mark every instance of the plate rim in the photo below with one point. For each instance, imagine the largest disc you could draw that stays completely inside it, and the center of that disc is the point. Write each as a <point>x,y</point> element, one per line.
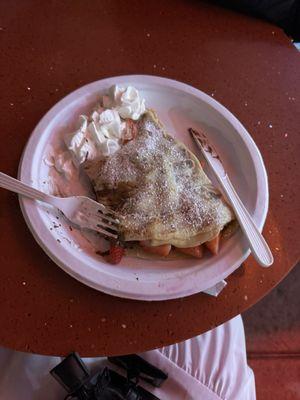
<point>27,206</point>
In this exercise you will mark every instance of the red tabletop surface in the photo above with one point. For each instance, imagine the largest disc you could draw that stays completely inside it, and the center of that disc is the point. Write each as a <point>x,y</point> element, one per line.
<point>50,48</point>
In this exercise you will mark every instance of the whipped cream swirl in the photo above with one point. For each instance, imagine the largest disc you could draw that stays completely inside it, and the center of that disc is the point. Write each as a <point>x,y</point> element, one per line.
<point>126,101</point>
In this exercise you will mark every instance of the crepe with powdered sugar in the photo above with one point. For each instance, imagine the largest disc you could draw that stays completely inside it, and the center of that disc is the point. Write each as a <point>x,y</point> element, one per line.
<point>159,189</point>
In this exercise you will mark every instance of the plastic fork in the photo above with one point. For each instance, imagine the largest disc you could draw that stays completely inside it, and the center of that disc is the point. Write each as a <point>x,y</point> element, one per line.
<point>80,210</point>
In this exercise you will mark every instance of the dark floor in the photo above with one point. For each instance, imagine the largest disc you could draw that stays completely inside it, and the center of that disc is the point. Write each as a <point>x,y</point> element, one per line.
<point>273,341</point>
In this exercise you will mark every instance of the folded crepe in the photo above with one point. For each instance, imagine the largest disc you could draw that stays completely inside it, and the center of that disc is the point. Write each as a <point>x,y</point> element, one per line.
<point>159,189</point>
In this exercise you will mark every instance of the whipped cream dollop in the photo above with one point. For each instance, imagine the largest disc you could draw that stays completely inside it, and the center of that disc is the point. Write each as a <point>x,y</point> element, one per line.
<point>78,142</point>
<point>101,134</point>
<point>106,129</point>
<point>126,101</point>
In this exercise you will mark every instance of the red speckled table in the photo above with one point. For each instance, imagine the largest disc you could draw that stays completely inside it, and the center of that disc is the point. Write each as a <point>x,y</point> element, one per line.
<point>49,49</point>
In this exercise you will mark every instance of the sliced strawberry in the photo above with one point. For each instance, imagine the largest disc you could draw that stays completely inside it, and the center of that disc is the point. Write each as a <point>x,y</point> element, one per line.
<point>196,251</point>
<point>130,131</point>
<point>213,245</point>
<point>162,250</point>
<point>116,253</point>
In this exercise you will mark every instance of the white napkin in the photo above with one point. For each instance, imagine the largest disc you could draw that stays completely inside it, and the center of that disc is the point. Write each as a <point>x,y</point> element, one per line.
<point>216,289</point>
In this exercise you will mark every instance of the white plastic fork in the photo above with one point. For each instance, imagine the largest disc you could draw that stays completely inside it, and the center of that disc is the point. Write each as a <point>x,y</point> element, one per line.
<point>80,210</point>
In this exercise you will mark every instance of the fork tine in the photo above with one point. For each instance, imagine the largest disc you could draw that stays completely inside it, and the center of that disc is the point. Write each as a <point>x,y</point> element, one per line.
<point>107,210</point>
<point>100,223</point>
<point>96,206</point>
<point>105,233</point>
<point>97,210</point>
<point>104,216</point>
<point>111,211</point>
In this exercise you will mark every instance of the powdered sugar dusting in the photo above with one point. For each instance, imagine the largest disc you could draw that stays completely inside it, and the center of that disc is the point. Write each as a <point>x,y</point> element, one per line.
<point>153,182</point>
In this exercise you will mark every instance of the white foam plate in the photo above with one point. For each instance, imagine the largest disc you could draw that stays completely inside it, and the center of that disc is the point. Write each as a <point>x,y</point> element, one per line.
<point>179,106</point>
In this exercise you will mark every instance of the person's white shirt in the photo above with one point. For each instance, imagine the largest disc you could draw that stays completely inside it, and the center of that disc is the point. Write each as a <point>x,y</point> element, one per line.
<point>211,366</point>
